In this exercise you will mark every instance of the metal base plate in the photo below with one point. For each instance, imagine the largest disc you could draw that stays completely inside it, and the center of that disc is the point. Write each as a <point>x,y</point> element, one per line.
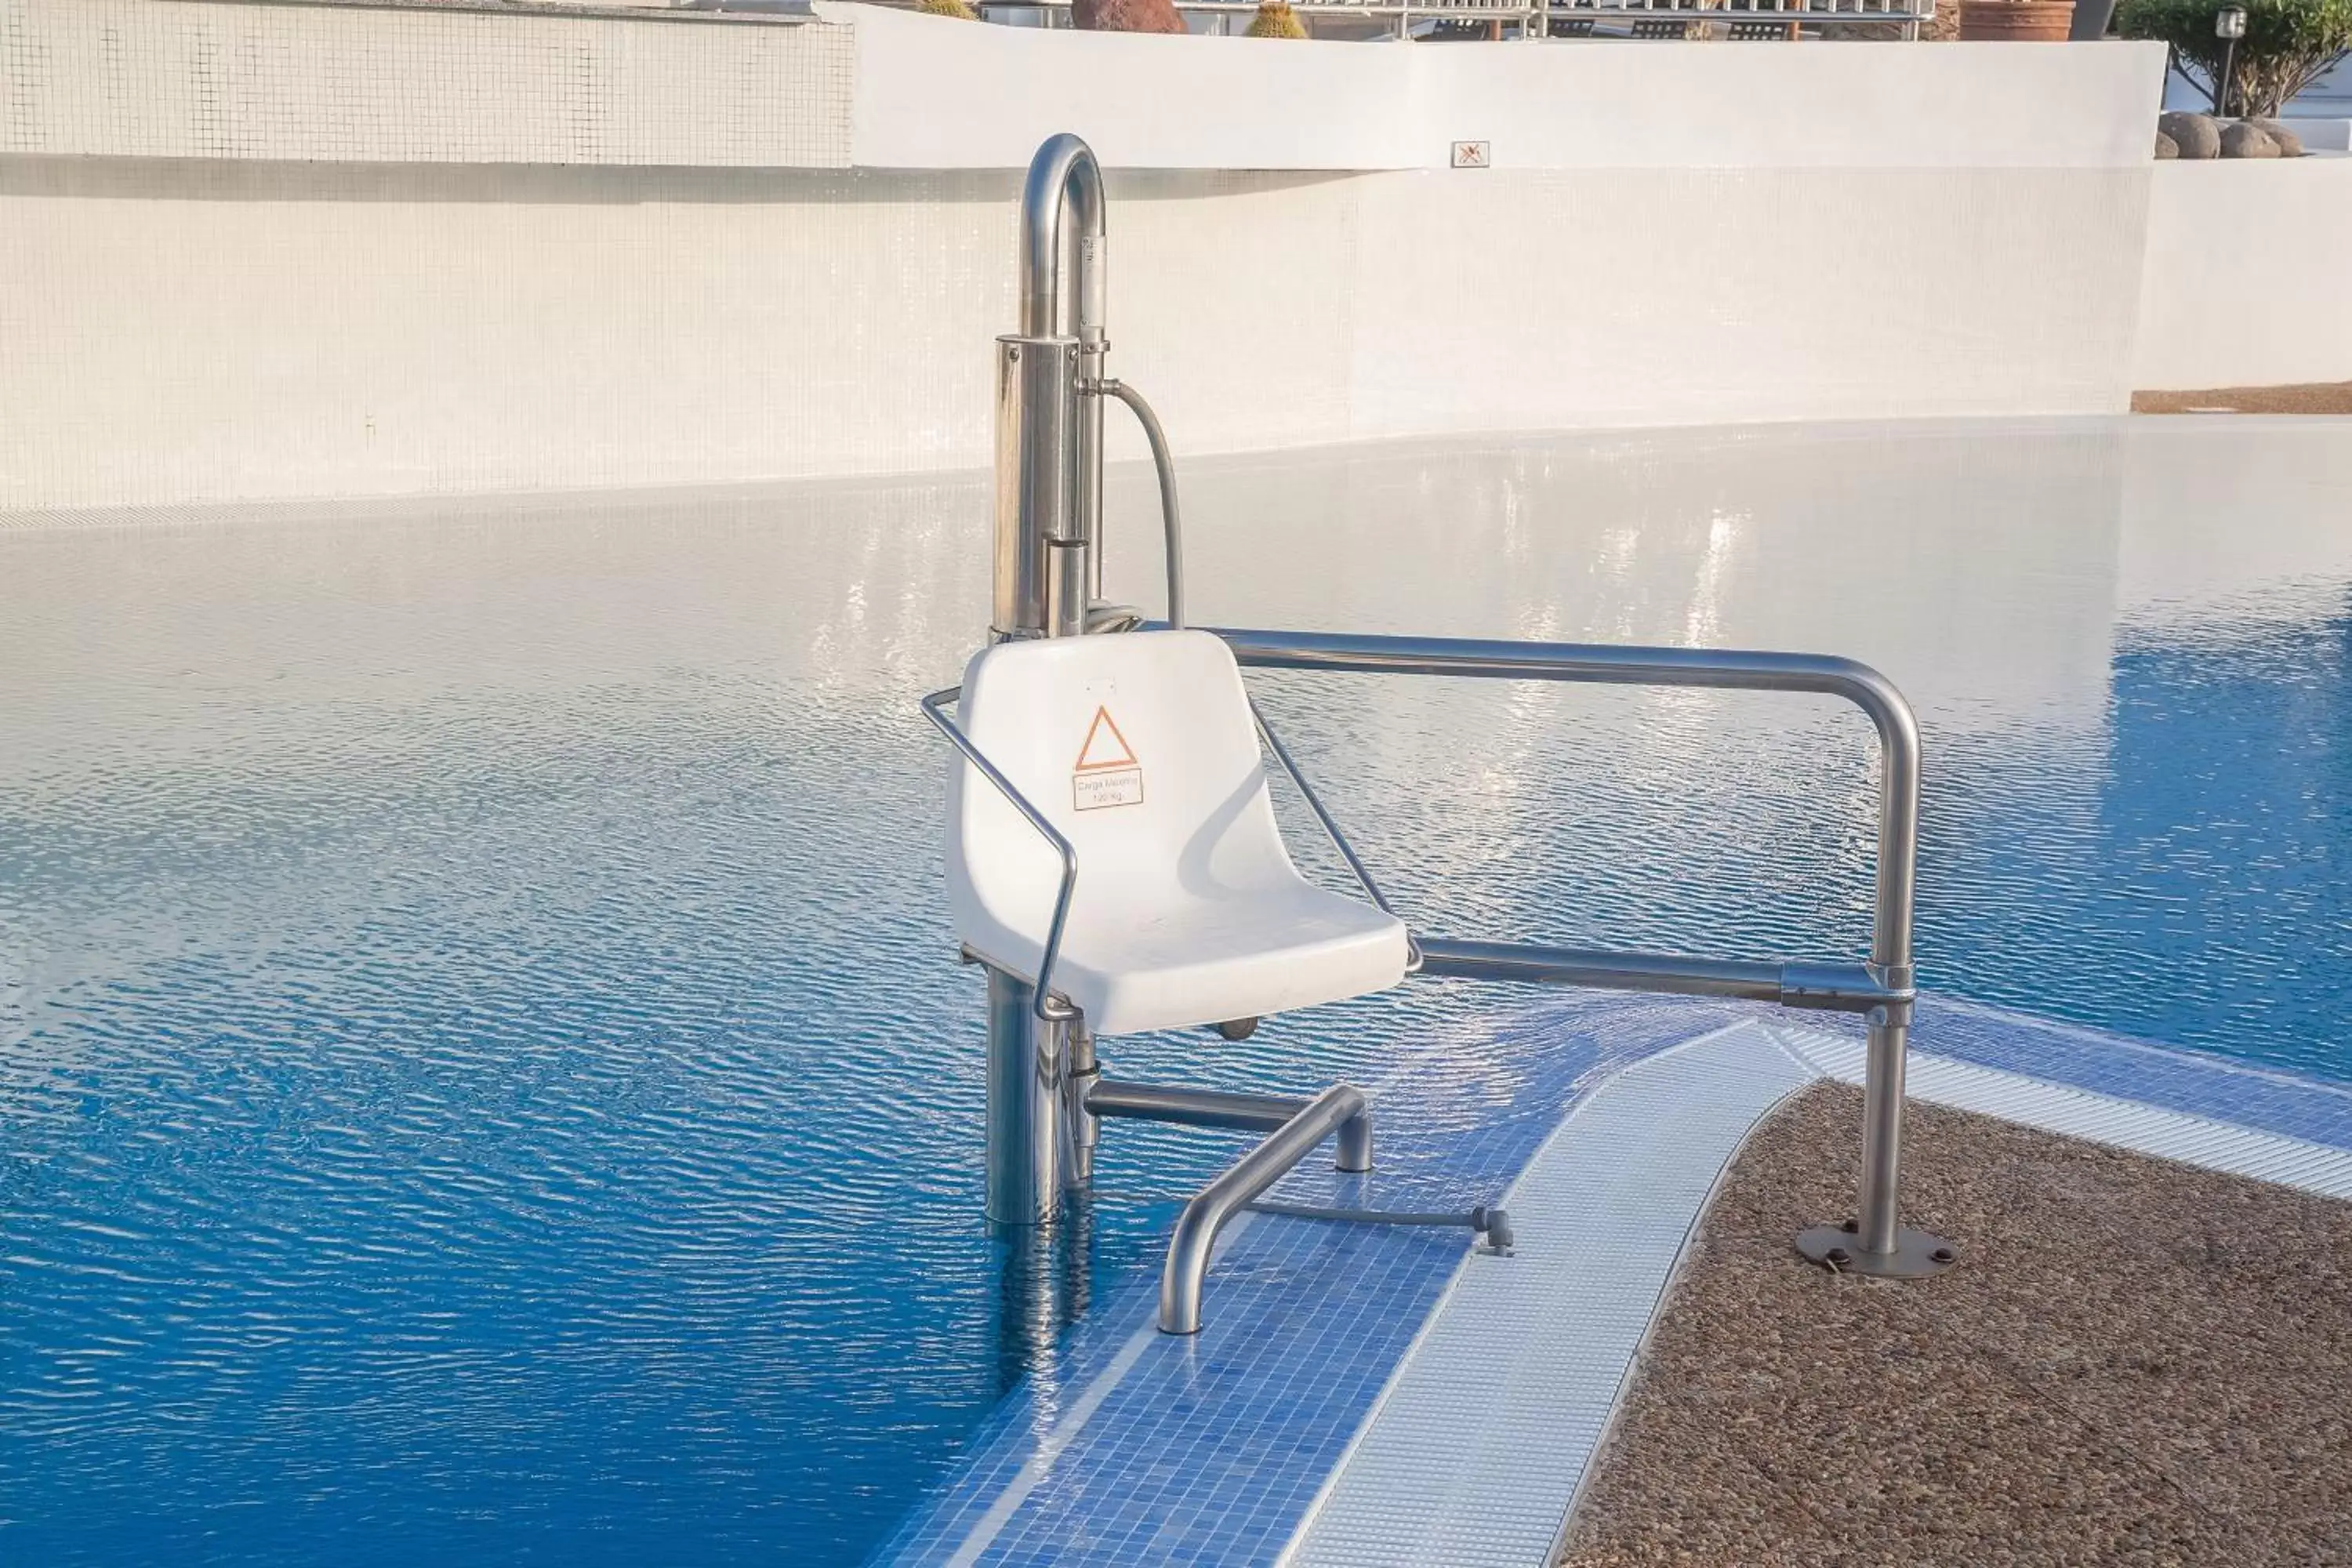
<point>1917,1254</point>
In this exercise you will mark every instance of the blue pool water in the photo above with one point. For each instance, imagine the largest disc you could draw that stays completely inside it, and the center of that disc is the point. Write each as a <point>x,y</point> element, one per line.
<point>483,1075</point>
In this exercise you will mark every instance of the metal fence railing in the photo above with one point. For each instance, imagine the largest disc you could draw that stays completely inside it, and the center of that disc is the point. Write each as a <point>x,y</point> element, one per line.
<point>1743,20</point>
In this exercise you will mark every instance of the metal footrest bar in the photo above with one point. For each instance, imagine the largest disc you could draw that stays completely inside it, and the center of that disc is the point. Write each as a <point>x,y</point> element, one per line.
<point>1191,1107</point>
<point>1219,1108</point>
<point>1187,1269</point>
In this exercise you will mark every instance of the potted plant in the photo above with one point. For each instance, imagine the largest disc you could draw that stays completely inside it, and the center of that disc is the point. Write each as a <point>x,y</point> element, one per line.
<point>2016,21</point>
<point>1127,16</point>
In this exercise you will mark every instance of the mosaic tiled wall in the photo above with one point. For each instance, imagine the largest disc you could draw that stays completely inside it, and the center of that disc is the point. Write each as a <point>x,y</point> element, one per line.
<point>200,78</point>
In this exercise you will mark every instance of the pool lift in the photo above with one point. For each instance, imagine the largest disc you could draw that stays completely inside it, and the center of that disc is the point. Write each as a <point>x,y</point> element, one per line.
<point>1113,862</point>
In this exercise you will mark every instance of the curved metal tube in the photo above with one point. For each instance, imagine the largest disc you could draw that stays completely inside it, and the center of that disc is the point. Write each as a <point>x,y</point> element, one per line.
<point>1063,171</point>
<point>1221,1108</point>
<point>1067,461</point>
<point>1876,1230</point>
<point>1164,465</point>
<point>1050,1008</point>
<point>1187,1269</point>
<point>1730,670</point>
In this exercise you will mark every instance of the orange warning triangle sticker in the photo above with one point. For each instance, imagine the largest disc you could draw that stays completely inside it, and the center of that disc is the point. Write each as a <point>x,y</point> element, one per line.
<point>1104,746</point>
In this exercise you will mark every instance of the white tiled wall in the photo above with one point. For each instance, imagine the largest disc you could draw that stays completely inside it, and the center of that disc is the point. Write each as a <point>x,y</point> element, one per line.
<point>2249,280</point>
<point>211,332</point>
<point>180,332</point>
<point>254,250</point>
<point>199,78</point>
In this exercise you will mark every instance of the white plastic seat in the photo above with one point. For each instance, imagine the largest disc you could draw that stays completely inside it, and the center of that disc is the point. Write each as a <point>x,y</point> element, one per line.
<point>1139,748</point>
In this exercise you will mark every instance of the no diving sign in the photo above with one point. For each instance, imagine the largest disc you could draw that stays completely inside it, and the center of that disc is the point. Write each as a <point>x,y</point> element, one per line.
<point>1107,772</point>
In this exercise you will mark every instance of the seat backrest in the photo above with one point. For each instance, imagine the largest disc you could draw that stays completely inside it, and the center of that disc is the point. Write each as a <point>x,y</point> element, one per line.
<point>1139,747</point>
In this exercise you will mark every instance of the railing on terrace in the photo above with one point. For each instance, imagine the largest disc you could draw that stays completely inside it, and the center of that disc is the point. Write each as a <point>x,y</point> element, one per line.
<point>1743,20</point>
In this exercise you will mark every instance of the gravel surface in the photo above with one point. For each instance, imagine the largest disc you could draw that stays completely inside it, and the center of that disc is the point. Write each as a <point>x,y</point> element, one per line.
<point>2134,1362</point>
<point>2315,397</point>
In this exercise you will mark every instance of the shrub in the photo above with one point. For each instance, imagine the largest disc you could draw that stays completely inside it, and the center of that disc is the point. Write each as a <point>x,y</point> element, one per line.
<point>1276,19</point>
<point>956,8</point>
<point>2289,44</point>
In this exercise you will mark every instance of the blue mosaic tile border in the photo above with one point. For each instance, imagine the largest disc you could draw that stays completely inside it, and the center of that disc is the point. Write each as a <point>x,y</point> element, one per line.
<point>1136,1446</point>
<point>1209,1449</point>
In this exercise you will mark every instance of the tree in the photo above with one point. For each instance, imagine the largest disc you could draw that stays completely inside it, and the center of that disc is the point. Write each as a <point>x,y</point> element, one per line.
<point>2289,45</point>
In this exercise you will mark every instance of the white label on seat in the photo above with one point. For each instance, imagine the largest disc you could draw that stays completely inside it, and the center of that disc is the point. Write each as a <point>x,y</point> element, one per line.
<point>1107,772</point>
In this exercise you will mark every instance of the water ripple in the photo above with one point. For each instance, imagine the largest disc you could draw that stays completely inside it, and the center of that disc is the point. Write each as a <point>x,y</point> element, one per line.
<point>483,1071</point>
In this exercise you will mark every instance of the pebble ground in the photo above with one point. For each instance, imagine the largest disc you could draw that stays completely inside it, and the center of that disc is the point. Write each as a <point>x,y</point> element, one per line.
<point>2316,397</point>
<point>2133,1363</point>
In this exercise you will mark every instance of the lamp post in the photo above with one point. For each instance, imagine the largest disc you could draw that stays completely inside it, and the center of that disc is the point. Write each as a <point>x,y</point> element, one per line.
<point>2229,25</point>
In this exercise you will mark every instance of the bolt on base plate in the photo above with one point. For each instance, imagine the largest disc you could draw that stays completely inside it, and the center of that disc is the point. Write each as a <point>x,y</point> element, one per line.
<point>1917,1254</point>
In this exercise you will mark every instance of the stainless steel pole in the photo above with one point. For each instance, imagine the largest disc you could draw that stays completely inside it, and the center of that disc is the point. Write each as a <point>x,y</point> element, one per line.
<point>1048,477</point>
<point>1080,1130</point>
<point>1066,592</point>
<point>1878,1244</point>
<point>1028,1060</point>
<point>1064,175</point>
<point>1890,955</point>
<point>1036,472</point>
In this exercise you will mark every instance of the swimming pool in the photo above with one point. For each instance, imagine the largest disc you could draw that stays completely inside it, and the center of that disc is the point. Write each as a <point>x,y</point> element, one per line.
<point>487,1077</point>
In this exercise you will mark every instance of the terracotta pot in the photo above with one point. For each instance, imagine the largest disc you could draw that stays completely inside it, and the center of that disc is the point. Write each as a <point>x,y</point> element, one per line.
<point>2015,21</point>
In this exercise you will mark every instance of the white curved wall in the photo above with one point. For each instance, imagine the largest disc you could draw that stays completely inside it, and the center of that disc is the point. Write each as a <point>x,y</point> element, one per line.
<point>193,308</point>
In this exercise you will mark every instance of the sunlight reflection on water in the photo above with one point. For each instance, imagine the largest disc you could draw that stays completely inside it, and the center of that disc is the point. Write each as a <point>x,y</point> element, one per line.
<point>486,1076</point>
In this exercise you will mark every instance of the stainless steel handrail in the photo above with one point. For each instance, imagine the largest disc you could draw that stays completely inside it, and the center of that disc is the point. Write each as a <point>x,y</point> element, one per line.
<point>1830,987</point>
<point>1050,1008</point>
<point>1883,989</point>
<point>1608,664</point>
<point>1187,1269</point>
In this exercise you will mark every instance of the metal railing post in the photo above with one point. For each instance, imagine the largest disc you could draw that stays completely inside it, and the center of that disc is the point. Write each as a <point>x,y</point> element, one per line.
<point>1878,1244</point>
